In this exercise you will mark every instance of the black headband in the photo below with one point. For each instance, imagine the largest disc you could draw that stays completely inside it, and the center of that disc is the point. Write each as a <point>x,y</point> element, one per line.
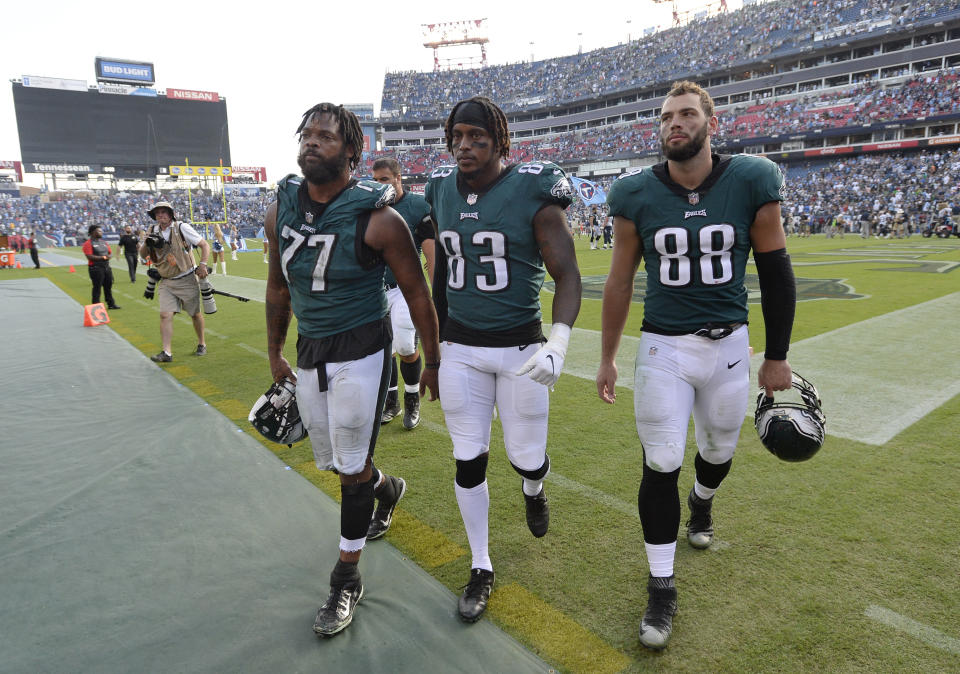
<point>471,112</point>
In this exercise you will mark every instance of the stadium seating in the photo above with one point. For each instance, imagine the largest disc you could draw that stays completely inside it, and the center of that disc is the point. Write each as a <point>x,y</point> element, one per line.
<point>753,33</point>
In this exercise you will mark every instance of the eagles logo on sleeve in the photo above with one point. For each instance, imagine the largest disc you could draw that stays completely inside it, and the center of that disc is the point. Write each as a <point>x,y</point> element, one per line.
<point>388,196</point>
<point>562,188</point>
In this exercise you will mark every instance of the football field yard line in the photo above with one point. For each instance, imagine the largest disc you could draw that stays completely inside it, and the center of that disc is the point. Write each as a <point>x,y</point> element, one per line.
<point>924,633</point>
<point>612,502</point>
<point>876,377</point>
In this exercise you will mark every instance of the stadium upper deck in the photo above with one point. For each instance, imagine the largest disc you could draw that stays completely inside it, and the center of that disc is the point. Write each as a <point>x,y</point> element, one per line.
<point>791,51</point>
<point>754,35</point>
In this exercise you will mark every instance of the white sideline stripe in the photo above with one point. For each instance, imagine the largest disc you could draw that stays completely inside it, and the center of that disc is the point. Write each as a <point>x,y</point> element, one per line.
<point>876,377</point>
<point>256,352</point>
<point>603,498</point>
<point>924,633</point>
<point>881,375</point>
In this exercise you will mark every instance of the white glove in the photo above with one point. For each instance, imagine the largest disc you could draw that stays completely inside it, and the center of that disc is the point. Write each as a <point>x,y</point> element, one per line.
<point>545,365</point>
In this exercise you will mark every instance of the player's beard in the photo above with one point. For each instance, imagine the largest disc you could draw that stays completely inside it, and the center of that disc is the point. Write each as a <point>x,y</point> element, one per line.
<point>689,149</point>
<point>324,170</point>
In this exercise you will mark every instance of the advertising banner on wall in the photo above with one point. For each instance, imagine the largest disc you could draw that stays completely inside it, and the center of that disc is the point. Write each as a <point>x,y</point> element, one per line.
<point>189,95</point>
<point>54,83</point>
<point>125,72</point>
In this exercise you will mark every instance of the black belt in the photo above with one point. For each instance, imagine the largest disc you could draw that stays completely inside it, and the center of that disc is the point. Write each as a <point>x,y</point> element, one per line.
<point>389,286</point>
<point>717,330</point>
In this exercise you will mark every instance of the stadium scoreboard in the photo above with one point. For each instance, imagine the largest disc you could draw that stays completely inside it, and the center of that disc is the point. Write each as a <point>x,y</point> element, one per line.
<point>126,130</point>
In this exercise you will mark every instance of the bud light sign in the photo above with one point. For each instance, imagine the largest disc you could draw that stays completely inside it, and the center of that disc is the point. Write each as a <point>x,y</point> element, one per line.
<point>124,72</point>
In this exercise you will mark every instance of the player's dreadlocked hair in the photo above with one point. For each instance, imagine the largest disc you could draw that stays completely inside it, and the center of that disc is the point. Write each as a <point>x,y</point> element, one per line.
<point>496,122</point>
<point>347,124</point>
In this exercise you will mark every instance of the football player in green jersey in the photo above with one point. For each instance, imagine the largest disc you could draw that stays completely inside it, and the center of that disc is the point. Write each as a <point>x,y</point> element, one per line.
<point>498,227</point>
<point>330,236</point>
<point>416,212</point>
<point>692,220</point>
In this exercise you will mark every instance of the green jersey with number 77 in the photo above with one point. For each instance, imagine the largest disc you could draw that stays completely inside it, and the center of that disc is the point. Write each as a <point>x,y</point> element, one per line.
<point>696,243</point>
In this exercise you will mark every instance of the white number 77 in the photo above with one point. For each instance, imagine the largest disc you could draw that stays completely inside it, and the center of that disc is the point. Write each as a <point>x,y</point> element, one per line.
<point>325,243</point>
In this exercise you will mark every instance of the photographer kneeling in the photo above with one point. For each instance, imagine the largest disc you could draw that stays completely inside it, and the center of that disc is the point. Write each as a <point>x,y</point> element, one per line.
<point>168,245</point>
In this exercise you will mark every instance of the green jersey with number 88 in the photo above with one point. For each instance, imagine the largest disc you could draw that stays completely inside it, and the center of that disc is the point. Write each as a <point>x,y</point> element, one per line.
<point>696,242</point>
<point>494,268</point>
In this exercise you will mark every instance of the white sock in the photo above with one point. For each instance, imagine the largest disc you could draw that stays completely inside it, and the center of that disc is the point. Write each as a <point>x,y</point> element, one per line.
<point>411,388</point>
<point>532,487</point>
<point>703,492</point>
<point>348,545</point>
<point>660,558</point>
<point>224,263</point>
<point>474,506</point>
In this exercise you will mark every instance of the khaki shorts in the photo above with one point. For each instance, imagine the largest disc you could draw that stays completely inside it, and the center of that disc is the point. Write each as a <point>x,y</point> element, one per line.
<point>176,294</point>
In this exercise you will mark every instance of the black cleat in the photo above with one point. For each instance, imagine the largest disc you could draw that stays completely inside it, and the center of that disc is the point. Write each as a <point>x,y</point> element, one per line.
<point>411,410</point>
<point>700,524</point>
<point>391,408</point>
<point>476,593</point>
<point>337,612</point>
<point>112,306</point>
<point>661,607</point>
<point>383,515</point>
<point>201,350</point>
<point>538,513</point>
<point>162,357</point>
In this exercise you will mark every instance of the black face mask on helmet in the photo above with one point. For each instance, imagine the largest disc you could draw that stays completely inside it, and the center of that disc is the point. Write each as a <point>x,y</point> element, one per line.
<point>791,431</point>
<point>276,416</point>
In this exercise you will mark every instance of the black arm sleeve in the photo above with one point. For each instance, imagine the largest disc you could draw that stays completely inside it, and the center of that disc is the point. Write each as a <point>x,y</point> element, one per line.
<point>439,285</point>
<point>778,299</point>
<point>423,231</point>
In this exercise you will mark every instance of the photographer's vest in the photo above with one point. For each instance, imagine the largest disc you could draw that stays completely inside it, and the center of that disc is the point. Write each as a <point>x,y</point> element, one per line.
<point>177,247</point>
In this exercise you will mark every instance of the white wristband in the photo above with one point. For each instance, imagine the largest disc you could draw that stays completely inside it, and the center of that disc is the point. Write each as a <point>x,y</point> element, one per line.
<point>559,337</point>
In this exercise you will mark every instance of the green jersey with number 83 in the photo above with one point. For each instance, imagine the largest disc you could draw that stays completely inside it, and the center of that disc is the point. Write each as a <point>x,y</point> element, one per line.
<point>494,268</point>
<point>335,281</point>
<point>696,242</point>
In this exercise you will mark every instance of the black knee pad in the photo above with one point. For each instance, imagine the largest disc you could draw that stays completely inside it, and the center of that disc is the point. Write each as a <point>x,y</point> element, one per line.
<point>658,502</point>
<point>537,474</point>
<point>710,475</point>
<point>356,509</point>
<point>472,473</point>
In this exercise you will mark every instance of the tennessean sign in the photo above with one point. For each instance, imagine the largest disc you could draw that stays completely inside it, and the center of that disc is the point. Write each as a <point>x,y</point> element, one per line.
<point>189,95</point>
<point>65,168</point>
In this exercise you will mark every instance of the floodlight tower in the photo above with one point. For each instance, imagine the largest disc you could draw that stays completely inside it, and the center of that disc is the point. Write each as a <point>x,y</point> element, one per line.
<point>452,34</point>
<point>695,10</point>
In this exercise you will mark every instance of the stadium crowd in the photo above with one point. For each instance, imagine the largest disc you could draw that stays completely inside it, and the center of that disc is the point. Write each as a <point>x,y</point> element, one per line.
<point>758,31</point>
<point>883,194</point>
<point>930,95</point>
<point>67,215</point>
<point>882,191</point>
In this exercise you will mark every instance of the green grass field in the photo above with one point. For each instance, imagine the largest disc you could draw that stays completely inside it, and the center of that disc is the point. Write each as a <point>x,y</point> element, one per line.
<point>848,562</point>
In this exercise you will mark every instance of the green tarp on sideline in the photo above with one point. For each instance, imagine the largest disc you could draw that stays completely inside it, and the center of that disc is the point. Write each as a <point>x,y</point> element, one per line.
<point>142,531</point>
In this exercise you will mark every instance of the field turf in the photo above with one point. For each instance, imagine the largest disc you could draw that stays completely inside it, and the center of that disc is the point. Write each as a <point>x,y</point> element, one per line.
<point>848,562</point>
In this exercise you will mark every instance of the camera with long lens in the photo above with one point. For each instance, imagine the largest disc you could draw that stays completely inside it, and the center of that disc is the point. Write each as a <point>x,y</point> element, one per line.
<point>152,277</point>
<point>154,240</point>
<point>206,294</point>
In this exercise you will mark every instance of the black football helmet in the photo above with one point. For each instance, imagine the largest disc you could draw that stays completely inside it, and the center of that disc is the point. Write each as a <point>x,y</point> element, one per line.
<point>275,414</point>
<point>791,431</point>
